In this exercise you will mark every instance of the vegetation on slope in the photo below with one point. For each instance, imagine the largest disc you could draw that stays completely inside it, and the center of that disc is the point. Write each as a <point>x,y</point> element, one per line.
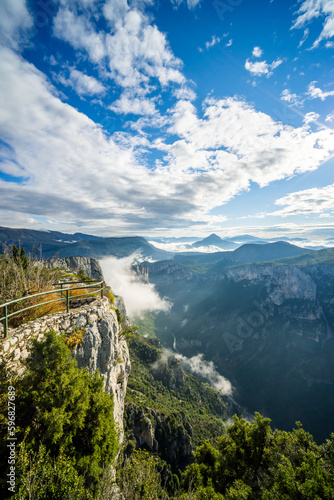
<point>252,462</point>
<point>64,422</point>
<point>153,383</point>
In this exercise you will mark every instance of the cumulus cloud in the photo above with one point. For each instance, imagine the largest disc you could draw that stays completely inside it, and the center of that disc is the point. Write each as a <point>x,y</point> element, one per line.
<point>104,181</point>
<point>135,105</point>
<point>206,369</point>
<point>260,68</point>
<point>291,98</point>
<point>311,117</point>
<point>139,297</point>
<point>313,9</point>
<point>309,201</point>
<point>316,93</point>
<point>257,52</point>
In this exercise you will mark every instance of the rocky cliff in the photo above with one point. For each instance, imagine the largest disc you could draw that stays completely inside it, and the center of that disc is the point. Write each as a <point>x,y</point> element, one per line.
<point>281,282</point>
<point>268,327</point>
<point>102,348</point>
<point>89,266</point>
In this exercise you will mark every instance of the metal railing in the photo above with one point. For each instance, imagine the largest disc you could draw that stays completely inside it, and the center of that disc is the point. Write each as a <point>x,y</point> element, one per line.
<point>64,296</point>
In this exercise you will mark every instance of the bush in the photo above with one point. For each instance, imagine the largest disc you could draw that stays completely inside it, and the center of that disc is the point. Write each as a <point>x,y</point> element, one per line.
<point>252,462</point>
<point>63,407</point>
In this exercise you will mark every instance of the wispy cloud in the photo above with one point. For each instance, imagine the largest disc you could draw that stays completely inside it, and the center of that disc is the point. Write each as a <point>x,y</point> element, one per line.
<point>309,201</point>
<point>83,84</point>
<point>305,36</point>
<point>207,370</point>
<point>313,9</point>
<point>131,53</point>
<point>215,40</point>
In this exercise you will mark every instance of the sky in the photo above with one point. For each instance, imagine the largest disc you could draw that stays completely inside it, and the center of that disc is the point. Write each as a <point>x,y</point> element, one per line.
<point>168,118</point>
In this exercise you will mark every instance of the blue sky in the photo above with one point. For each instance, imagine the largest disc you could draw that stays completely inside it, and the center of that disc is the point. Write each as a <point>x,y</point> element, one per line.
<point>168,117</point>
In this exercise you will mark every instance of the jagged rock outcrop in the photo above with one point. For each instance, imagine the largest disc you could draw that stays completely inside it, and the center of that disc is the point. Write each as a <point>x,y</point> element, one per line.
<point>104,349</point>
<point>89,266</point>
<point>169,436</point>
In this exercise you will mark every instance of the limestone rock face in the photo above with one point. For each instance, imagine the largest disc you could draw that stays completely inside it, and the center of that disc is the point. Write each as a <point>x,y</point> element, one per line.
<point>169,436</point>
<point>166,271</point>
<point>104,349</point>
<point>88,265</point>
<point>282,282</point>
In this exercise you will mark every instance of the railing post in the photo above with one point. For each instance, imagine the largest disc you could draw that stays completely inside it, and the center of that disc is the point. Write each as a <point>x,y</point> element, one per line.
<point>68,300</point>
<point>102,291</point>
<point>6,322</point>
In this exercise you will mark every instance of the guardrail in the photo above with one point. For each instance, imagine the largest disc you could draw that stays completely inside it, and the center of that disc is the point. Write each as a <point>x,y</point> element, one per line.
<point>64,296</point>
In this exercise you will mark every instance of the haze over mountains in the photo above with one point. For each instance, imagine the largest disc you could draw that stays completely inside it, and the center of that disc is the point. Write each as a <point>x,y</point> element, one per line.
<point>49,243</point>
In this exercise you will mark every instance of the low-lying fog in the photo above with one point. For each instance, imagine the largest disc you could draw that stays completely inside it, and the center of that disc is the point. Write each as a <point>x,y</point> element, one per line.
<point>138,297</point>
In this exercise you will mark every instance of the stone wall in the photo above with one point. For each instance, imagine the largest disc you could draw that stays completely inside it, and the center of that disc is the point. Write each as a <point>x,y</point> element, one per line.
<point>102,348</point>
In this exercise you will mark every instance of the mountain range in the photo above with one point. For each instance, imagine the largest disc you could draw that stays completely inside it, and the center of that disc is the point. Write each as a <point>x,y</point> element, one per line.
<point>264,315</point>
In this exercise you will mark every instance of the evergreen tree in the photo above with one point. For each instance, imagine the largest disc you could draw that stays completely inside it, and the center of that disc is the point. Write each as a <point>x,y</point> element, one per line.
<point>64,408</point>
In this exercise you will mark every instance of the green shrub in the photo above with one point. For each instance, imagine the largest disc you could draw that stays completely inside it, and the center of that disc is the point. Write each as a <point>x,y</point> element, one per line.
<point>63,407</point>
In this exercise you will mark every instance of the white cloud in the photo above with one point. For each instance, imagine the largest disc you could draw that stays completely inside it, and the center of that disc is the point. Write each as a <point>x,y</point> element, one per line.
<point>184,93</point>
<point>313,9</point>
<point>214,41</point>
<point>15,21</point>
<point>316,93</point>
<point>131,53</point>
<point>190,3</point>
<point>330,117</point>
<point>72,169</point>
<point>138,106</point>
<point>229,43</point>
<point>139,297</point>
<point>83,84</point>
<point>257,52</point>
<point>309,201</point>
<point>260,68</point>
<point>207,370</point>
<point>305,36</point>
<point>292,99</point>
<point>311,117</point>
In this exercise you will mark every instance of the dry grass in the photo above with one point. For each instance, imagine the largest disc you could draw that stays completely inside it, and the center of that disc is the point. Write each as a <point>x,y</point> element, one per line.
<point>21,276</point>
